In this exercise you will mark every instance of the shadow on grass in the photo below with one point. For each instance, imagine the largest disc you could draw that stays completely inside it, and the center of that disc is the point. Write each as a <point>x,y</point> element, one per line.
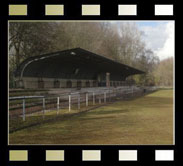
<point>148,101</point>
<point>95,118</point>
<point>34,120</point>
<point>104,112</point>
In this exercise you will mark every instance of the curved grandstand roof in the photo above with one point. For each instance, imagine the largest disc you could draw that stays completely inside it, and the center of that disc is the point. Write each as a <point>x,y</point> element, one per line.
<point>74,63</point>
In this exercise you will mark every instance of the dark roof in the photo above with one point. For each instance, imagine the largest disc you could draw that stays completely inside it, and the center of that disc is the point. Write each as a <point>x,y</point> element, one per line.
<point>73,63</point>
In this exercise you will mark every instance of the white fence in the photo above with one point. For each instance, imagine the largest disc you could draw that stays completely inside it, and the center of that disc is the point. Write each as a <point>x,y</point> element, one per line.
<point>27,111</point>
<point>24,106</point>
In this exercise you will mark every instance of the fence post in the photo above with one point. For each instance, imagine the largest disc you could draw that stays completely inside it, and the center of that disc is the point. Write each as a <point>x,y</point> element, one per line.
<point>93,98</point>
<point>132,91</point>
<point>104,97</point>
<point>78,101</point>
<point>112,95</point>
<point>23,110</point>
<point>121,93</point>
<point>86,99</point>
<point>58,104</point>
<point>99,99</point>
<point>109,95</point>
<point>43,107</point>
<point>69,103</point>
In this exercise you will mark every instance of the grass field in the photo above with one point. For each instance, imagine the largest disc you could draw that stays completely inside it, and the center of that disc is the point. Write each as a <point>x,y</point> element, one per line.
<point>145,120</point>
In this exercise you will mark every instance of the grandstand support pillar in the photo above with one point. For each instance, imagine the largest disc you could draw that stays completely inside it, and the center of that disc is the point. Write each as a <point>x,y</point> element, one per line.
<point>69,103</point>
<point>23,113</point>
<point>93,98</point>
<point>58,104</point>
<point>107,79</point>
<point>78,102</point>
<point>20,83</point>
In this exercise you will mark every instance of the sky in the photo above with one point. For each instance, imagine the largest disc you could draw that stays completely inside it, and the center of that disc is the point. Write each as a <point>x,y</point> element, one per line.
<point>159,37</point>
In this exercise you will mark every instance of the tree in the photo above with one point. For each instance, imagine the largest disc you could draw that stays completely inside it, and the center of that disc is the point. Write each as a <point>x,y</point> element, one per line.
<point>121,42</point>
<point>163,73</point>
<point>29,39</point>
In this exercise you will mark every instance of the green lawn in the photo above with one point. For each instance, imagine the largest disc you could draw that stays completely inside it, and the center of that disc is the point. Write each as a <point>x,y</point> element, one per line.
<point>145,120</point>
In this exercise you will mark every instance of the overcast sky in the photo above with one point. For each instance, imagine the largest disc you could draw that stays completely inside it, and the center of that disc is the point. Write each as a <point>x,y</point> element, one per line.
<point>159,36</point>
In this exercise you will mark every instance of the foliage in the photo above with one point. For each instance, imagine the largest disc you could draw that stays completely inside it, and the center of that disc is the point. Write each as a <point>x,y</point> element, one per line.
<point>164,72</point>
<point>121,42</point>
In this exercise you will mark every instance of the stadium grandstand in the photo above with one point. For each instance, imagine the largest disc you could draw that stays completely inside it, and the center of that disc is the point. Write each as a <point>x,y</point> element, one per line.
<point>73,68</point>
